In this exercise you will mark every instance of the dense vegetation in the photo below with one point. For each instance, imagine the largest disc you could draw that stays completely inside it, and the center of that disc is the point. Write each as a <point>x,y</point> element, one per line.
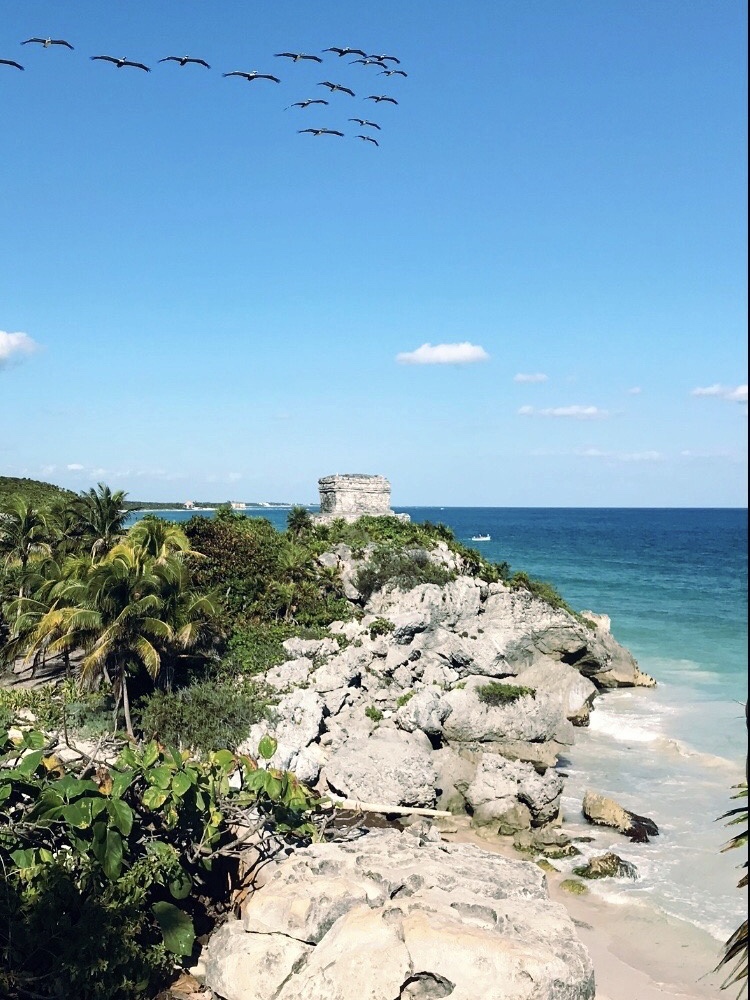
<point>161,631</point>
<point>39,494</point>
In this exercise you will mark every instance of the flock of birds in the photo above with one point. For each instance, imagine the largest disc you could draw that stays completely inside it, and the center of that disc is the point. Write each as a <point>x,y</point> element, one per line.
<point>388,66</point>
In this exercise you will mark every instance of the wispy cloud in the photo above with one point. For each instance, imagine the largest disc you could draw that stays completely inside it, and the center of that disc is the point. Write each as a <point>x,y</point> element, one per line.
<point>734,394</point>
<point>74,467</point>
<point>620,456</point>
<point>635,391</point>
<point>531,377</point>
<point>444,354</point>
<point>571,412</point>
<point>15,347</point>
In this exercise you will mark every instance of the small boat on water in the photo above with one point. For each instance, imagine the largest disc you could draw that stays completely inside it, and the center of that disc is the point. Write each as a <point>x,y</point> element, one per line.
<point>480,538</point>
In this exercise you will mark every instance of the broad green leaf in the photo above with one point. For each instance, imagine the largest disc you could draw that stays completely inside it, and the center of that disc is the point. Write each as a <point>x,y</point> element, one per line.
<point>23,859</point>
<point>121,815</point>
<point>159,776</point>
<point>267,747</point>
<point>30,763</point>
<point>5,791</point>
<point>128,758</point>
<point>181,784</point>
<point>181,885</point>
<point>78,814</point>
<point>121,781</point>
<point>112,863</point>
<point>176,928</point>
<point>153,797</point>
<point>33,740</point>
<point>150,754</point>
<point>272,787</point>
<point>225,759</point>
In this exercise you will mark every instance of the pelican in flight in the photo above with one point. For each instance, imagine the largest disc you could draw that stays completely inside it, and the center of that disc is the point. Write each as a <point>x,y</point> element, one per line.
<point>296,56</point>
<point>368,62</point>
<point>346,52</point>
<point>320,131</point>
<point>46,42</point>
<point>369,138</point>
<point>184,60</point>
<point>392,72</point>
<point>306,104</point>
<point>381,97</point>
<point>119,63</point>
<point>385,58</point>
<point>363,123</point>
<point>336,86</point>
<point>10,62</point>
<point>253,76</point>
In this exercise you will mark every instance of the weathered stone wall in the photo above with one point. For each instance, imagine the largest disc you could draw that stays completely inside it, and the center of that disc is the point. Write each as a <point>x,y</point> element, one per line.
<point>351,496</point>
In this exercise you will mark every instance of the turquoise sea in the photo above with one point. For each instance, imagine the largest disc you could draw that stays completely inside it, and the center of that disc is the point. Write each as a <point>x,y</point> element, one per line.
<point>674,583</point>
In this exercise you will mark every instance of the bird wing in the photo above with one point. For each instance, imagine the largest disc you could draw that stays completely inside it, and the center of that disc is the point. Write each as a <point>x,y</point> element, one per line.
<point>335,49</point>
<point>40,40</point>
<point>200,62</point>
<point>127,62</point>
<point>314,58</point>
<point>107,58</point>
<point>170,59</point>
<point>346,90</point>
<point>327,83</point>
<point>61,41</point>
<point>237,72</point>
<point>289,55</point>
<point>268,76</point>
<point>332,131</point>
<point>356,52</point>
<point>372,125</point>
<point>11,62</point>
<point>392,58</point>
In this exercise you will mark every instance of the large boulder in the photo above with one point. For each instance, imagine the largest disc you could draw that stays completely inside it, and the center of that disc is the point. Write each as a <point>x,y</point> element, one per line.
<point>529,718</point>
<point>602,811</point>
<point>498,787</point>
<point>394,916</point>
<point>391,767</point>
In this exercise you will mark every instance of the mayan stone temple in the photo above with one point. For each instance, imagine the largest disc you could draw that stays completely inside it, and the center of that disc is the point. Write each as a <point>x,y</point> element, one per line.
<point>350,496</point>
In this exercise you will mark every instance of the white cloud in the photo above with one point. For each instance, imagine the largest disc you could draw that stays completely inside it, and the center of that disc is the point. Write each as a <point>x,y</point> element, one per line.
<point>15,346</point>
<point>573,412</point>
<point>635,391</point>
<point>74,467</point>
<point>621,456</point>
<point>234,477</point>
<point>531,377</point>
<point>736,394</point>
<point>444,354</point>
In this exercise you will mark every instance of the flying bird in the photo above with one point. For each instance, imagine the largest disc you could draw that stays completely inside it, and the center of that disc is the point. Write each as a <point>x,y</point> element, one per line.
<point>253,76</point>
<point>320,131</point>
<point>46,42</point>
<point>368,62</point>
<point>119,63</point>
<point>346,52</point>
<point>183,60</point>
<point>296,56</point>
<point>392,72</point>
<point>306,104</point>
<point>381,97</point>
<point>336,86</point>
<point>384,58</point>
<point>10,62</point>
<point>363,123</point>
<point>369,138</point>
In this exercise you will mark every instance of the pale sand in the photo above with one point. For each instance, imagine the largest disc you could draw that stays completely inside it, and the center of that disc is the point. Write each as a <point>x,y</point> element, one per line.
<point>638,954</point>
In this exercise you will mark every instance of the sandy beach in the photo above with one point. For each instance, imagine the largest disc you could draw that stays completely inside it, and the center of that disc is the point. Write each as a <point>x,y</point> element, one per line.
<point>638,953</point>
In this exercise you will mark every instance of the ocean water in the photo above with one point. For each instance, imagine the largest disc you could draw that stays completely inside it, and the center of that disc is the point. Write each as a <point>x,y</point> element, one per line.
<point>674,583</point>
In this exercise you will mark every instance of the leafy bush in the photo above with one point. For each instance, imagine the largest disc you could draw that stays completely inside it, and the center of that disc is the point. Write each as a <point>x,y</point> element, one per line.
<point>374,713</point>
<point>399,568</point>
<point>108,879</point>
<point>209,715</point>
<point>404,699</point>
<point>380,626</point>
<point>547,593</point>
<point>496,694</point>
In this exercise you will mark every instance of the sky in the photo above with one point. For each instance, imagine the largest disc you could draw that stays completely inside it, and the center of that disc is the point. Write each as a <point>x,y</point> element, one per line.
<point>531,292</point>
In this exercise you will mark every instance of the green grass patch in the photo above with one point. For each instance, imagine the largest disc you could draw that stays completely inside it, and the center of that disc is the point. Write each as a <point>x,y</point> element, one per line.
<point>496,694</point>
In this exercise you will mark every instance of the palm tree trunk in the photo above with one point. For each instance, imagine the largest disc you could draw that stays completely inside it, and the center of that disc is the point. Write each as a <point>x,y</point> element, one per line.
<point>126,705</point>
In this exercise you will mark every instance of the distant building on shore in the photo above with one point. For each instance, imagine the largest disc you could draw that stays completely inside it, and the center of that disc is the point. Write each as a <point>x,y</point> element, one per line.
<point>238,505</point>
<point>353,495</point>
<point>189,505</point>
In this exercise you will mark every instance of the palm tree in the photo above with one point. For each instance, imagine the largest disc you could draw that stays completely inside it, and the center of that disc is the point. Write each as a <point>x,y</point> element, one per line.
<point>159,538</point>
<point>23,533</point>
<point>102,517</point>
<point>298,520</point>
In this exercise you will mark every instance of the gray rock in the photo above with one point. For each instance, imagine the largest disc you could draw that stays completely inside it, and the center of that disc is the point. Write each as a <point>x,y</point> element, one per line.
<point>291,674</point>
<point>455,771</point>
<point>313,649</point>
<point>562,681</point>
<point>602,811</point>
<point>529,719</point>
<point>607,866</point>
<point>499,784</point>
<point>390,766</point>
<point>241,966</point>
<point>395,916</point>
<point>426,710</point>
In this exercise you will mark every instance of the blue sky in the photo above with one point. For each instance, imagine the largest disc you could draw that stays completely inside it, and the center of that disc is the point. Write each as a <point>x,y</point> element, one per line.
<point>198,302</point>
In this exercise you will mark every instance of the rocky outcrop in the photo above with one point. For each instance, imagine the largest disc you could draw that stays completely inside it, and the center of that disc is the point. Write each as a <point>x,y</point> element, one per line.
<point>394,916</point>
<point>352,495</point>
<point>607,866</point>
<point>602,811</point>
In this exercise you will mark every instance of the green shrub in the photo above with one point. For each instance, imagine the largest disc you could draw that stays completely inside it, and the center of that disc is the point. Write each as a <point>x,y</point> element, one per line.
<point>380,626</point>
<point>399,568</point>
<point>547,593</point>
<point>404,699</point>
<point>374,713</point>
<point>213,714</point>
<point>495,693</point>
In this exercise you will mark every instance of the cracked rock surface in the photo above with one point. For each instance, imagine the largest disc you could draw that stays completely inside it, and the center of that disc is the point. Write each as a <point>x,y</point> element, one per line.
<point>395,917</point>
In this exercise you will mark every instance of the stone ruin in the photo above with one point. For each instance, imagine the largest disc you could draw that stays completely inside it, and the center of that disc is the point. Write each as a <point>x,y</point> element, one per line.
<point>350,496</point>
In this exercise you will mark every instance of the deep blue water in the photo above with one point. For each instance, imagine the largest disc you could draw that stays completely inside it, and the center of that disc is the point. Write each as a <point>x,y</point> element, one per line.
<point>674,583</point>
